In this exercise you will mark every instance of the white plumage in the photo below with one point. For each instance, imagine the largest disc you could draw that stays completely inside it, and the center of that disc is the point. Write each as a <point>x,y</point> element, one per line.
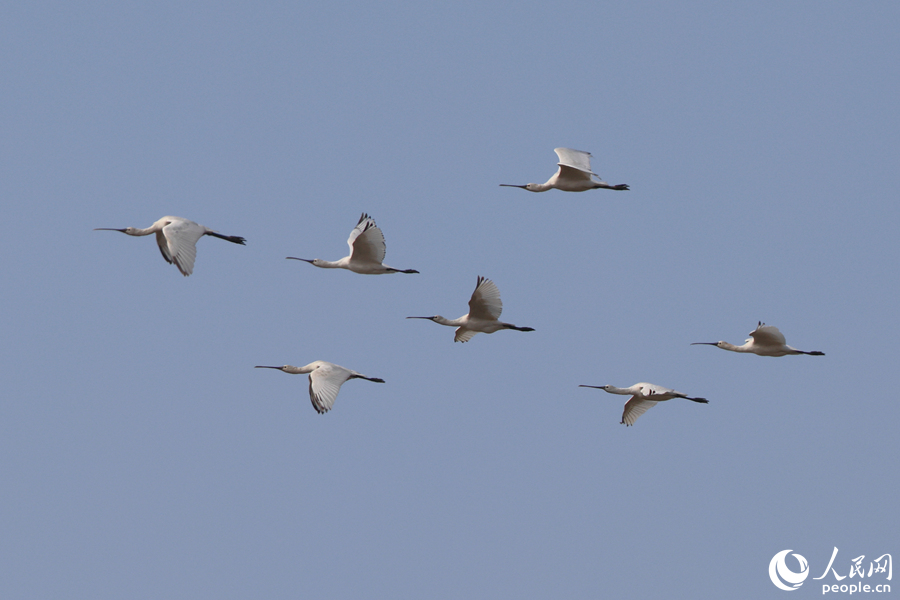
<point>177,239</point>
<point>367,249</point>
<point>574,175</point>
<point>485,307</point>
<point>765,340</point>
<point>325,381</point>
<point>644,396</point>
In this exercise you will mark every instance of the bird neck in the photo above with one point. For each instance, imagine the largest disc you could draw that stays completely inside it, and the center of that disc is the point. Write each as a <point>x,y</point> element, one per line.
<point>331,264</point>
<point>733,348</point>
<point>448,322</point>
<point>135,231</point>
<point>624,391</point>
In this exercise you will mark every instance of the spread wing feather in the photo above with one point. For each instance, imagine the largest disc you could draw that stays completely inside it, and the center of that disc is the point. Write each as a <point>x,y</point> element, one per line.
<point>485,301</point>
<point>366,241</point>
<point>634,408</point>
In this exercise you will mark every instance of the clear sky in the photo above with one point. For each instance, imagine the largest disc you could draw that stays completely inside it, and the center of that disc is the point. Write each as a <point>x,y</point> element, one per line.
<point>144,457</point>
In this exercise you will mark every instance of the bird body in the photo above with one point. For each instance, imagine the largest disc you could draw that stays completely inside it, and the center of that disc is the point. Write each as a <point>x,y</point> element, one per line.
<point>367,249</point>
<point>485,307</point>
<point>765,340</point>
<point>574,175</point>
<point>644,396</point>
<point>177,239</point>
<point>325,381</point>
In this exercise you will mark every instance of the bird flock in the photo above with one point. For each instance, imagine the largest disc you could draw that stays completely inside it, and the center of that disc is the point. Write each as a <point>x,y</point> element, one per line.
<point>177,239</point>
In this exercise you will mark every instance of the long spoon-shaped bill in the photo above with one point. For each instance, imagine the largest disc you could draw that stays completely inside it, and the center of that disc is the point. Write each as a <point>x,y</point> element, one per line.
<point>108,229</point>
<point>295,258</point>
<point>524,187</point>
<point>705,344</point>
<point>264,367</point>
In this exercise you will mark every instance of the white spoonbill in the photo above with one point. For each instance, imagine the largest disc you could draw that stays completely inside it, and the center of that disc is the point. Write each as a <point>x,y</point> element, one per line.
<point>574,175</point>
<point>366,252</point>
<point>644,396</point>
<point>325,381</point>
<point>177,239</point>
<point>484,310</point>
<point>765,340</point>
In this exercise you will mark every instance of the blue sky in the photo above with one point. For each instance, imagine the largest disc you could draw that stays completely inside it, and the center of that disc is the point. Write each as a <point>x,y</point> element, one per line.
<point>144,457</point>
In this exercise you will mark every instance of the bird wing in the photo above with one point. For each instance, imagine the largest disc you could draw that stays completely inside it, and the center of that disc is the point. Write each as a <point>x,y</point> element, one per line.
<point>163,246</point>
<point>568,173</point>
<point>463,334</point>
<point>635,407</point>
<point>767,335</point>
<point>324,384</point>
<point>181,237</point>
<point>366,241</point>
<point>485,301</point>
<point>576,160</point>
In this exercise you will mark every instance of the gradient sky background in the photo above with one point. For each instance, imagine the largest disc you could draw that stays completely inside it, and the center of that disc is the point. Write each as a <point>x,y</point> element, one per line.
<point>145,457</point>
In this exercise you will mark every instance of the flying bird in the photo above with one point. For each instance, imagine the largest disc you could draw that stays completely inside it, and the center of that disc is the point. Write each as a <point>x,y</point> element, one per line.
<point>325,381</point>
<point>366,252</point>
<point>574,175</point>
<point>644,396</point>
<point>765,340</point>
<point>177,239</point>
<point>484,311</point>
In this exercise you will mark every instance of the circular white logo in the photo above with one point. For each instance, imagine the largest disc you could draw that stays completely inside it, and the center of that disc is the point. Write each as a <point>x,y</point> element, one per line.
<point>784,578</point>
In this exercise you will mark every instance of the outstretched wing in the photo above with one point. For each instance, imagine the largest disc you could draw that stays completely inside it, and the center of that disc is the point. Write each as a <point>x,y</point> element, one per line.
<point>366,241</point>
<point>767,335</point>
<point>463,334</point>
<point>485,301</point>
<point>635,407</point>
<point>324,384</point>
<point>163,246</point>
<point>181,238</point>
<point>574,163</point>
